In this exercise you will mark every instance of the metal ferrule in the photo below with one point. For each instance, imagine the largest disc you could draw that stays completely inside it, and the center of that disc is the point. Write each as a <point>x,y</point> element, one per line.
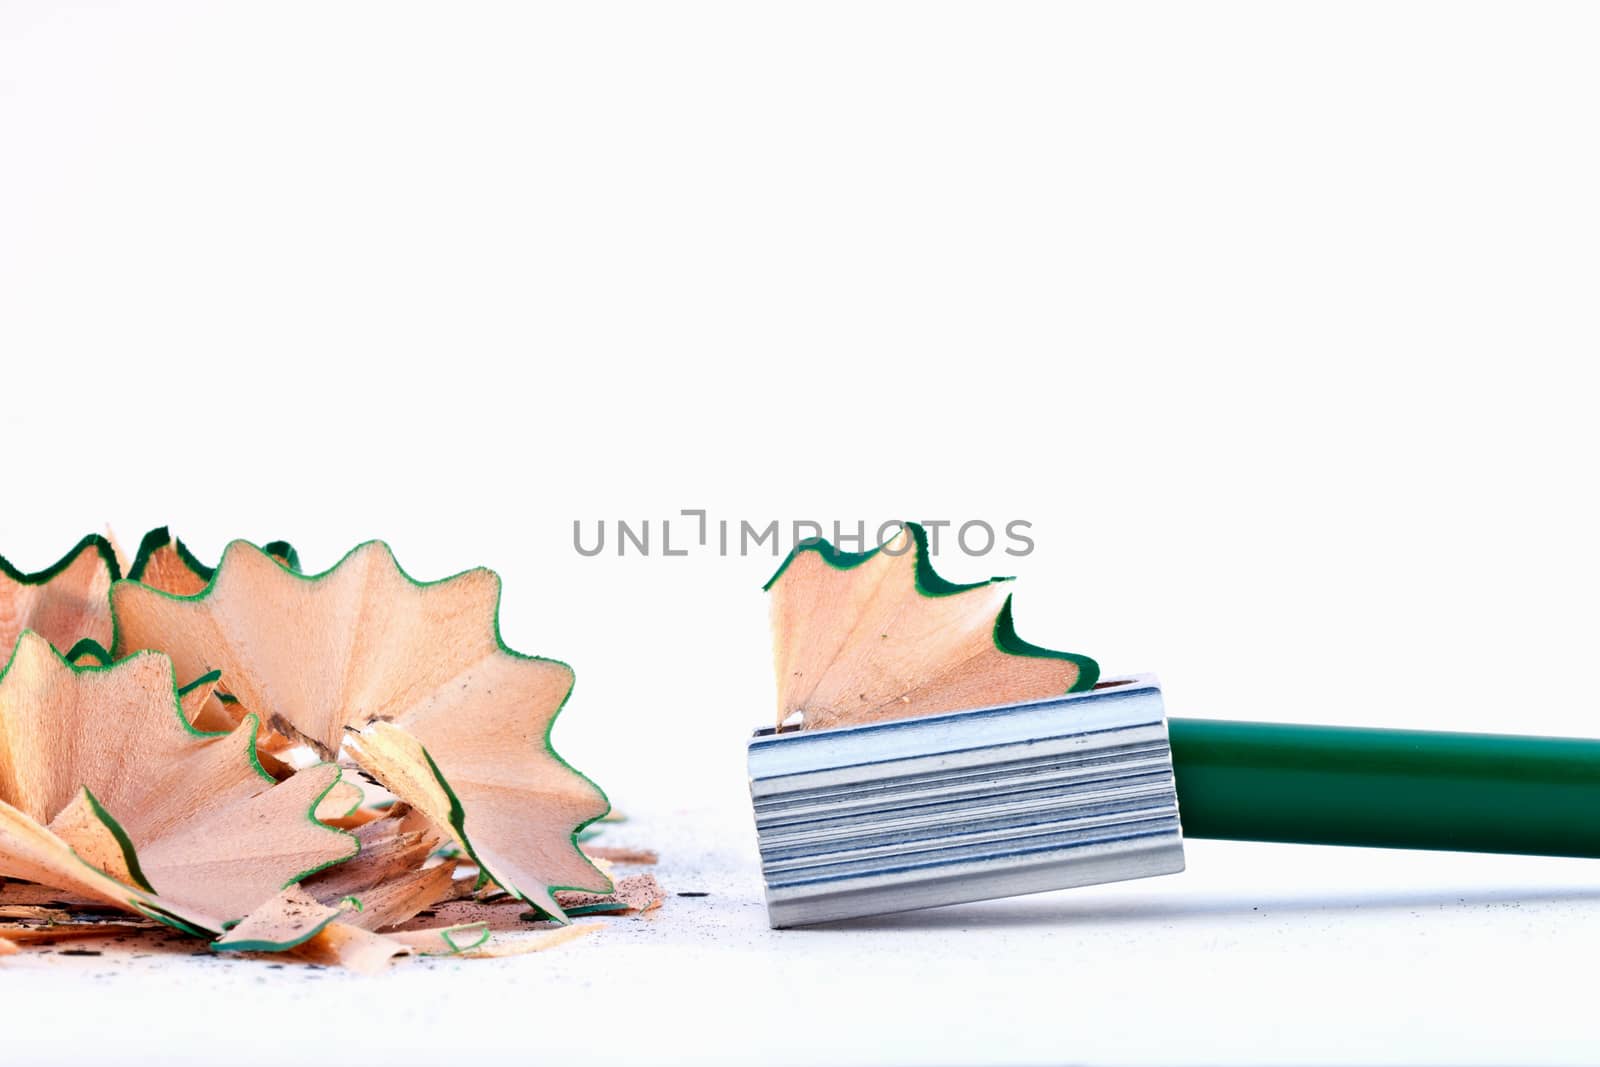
<point>916,813</point>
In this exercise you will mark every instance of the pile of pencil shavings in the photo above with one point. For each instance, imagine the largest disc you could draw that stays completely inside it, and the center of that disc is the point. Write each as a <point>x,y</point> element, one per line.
<point>344,768</point>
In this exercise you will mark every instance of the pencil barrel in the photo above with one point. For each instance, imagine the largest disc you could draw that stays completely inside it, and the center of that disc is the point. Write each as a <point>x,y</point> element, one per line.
<point>1387,788</point>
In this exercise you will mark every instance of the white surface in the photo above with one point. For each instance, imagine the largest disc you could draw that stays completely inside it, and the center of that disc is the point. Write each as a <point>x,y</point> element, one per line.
<point>1276,321</point>
<point>1257,954</point>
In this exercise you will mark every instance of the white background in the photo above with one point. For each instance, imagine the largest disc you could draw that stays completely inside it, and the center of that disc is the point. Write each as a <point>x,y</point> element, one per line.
<point>1277,321</point>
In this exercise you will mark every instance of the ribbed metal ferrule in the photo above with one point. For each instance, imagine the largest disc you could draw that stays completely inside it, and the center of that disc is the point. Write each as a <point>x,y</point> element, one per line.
<point>917,813</point>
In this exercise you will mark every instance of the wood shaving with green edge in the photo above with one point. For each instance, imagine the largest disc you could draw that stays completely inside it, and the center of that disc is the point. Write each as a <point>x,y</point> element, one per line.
<point>180,759</point>
<point>938,646</point>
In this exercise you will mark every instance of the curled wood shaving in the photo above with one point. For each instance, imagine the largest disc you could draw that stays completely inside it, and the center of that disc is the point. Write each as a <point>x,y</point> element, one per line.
<point>932,646</point>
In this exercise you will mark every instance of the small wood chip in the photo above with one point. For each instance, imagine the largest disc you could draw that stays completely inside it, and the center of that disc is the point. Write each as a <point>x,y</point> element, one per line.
<point>48,932</point>
<point>30,911</point>
<point>401,898</point>
<point>643,856</point>
<point>47,896</point>
<point>445,940</point>
<point>637,893</point>
<point>284,922</point>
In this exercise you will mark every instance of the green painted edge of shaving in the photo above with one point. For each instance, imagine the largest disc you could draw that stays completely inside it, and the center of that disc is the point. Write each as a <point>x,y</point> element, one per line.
<point>168,919</point>
<point>290,558</point>
<point>88,646</point>
<point>549,746</point>
<point>311,817</point>
<point>95,541</point>
<point>1006,640</point>
<point>360,799</point>
<point>455,949</point>
<point>148,544</point>
<point>276,946</point>
<point>161,536</point>
<point>157,539</point>
<point>255,756</point>
<point>836,558</point>
<point>607,908</point>
<point>209,676</point>
<point>929,583</point>
<point>129,855</point>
